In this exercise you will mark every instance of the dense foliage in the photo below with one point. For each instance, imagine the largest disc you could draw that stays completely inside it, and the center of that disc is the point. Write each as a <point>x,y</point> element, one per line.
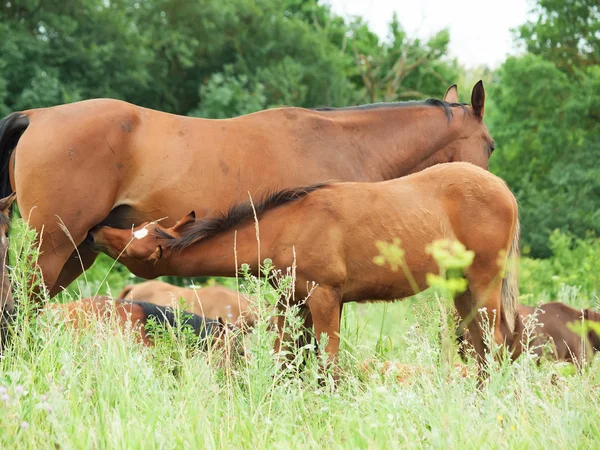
<point>546,122</point>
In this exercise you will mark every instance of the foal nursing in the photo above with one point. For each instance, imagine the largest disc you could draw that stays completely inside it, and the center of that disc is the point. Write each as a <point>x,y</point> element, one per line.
<point>331,232</point>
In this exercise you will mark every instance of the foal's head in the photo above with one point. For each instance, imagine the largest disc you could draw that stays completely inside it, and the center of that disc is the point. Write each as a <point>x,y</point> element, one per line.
<point>7,304</point>
<point>141,244</point>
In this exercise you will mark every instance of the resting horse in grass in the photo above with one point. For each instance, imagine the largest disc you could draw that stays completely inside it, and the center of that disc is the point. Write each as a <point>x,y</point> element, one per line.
<point>330,232</point>
<point>109,162</point>
<point>551,327</point>
<point>213,302</point>
<point>136,315</point>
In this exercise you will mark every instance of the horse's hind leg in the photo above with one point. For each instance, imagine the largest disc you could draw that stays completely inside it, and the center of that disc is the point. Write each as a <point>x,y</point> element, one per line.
<point>63,230</point>
<point>78,262</point>
<point>480,307</point>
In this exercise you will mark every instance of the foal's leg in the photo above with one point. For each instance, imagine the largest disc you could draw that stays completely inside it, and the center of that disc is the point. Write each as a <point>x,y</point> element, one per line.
<point>325,306</point>
<point>469,304</point>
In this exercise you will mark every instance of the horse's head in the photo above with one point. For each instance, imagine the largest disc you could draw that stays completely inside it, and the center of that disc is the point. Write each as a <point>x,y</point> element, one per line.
<point>7,304</point>
<point>141,244</point>
<point>471,142</point>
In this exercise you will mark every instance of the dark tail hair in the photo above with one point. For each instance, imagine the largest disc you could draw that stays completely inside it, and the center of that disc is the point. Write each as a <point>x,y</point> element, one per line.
<point>11,129</point>
<point>510,283</point>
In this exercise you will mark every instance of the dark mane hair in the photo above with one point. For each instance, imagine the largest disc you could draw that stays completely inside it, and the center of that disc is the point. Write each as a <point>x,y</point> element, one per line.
<point>429,102</point>
<point>237,214</point>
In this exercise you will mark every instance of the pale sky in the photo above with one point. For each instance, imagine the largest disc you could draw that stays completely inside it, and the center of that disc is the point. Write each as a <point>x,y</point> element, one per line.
<point>479,29</point>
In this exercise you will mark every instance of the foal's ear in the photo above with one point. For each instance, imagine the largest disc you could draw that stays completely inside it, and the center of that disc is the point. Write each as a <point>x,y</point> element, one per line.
<point>156,254</point>
<point>451,95</point>
<point>478,99</point>
<point>182,223</point>
<point>6,202</point>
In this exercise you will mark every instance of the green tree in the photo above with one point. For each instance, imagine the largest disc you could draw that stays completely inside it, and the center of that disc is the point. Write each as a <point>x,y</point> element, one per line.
<point>566,32</point>
<point>402,68</point>
<point>546,122</point>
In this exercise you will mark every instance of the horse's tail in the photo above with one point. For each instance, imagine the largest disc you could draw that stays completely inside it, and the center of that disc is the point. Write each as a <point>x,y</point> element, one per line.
<point>11,129</point>
<point>126,290</point>
<point>510,283</point>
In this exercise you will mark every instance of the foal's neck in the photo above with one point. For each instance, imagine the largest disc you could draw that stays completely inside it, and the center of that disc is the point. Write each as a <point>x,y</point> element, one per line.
<point>220,255</point>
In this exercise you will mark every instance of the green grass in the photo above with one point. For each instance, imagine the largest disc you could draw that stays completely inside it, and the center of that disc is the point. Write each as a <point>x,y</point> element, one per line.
<point>99,389</point>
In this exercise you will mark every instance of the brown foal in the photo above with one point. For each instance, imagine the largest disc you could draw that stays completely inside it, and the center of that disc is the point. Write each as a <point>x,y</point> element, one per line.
<point>330,231</point>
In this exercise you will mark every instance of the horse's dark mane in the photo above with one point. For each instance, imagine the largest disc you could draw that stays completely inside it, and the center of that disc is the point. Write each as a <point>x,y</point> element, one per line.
<point>429,102</point>
<point>237,214</point>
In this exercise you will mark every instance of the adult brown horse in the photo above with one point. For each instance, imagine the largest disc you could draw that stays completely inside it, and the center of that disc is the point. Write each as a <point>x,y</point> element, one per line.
<point>330,232</point>
<point>109,162</point>
<point>213,302</point>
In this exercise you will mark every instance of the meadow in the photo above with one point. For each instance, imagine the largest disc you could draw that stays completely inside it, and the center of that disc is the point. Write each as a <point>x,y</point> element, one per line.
<point>98,389</point>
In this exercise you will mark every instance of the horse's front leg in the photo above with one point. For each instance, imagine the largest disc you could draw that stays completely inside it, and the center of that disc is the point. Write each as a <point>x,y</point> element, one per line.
<point>325,305</point>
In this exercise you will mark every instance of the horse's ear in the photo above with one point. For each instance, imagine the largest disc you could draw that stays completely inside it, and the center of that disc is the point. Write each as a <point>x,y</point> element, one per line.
<point>182,223</point>
<point>478,99</point>
<point>156,254</point>
<point>451,95</point>
<point>6,202</point>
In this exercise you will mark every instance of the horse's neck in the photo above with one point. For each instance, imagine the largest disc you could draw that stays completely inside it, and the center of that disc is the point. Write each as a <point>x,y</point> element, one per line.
<point>393,142</point>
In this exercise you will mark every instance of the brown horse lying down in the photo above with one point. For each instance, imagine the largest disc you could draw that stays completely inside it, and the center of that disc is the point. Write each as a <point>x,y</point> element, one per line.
<point>213,302</point>
<point>81,313</point>
<point>551,327</point>
<point>109,162</point>
<point>330,231</point>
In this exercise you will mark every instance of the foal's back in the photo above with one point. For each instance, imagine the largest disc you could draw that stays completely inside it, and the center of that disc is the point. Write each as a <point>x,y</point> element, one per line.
<point>334,229</point>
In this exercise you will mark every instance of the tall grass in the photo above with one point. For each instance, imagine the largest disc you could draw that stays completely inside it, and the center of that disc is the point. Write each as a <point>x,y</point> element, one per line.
<point>98,388</point>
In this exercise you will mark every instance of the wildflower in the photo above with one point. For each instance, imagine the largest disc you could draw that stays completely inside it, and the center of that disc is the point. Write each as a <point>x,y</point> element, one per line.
<point>19,389</point>
<point>24,425</point>
<point>5,398</point>
<point>500,418</point>
<point>88,394</point>
<point>381,389</point>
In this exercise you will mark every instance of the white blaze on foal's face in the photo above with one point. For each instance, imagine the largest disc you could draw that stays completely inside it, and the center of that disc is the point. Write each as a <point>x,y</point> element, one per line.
<point>141,234</point>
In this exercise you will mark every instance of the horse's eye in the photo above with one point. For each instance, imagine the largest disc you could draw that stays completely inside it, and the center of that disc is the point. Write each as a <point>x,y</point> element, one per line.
<point>492,148</point>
